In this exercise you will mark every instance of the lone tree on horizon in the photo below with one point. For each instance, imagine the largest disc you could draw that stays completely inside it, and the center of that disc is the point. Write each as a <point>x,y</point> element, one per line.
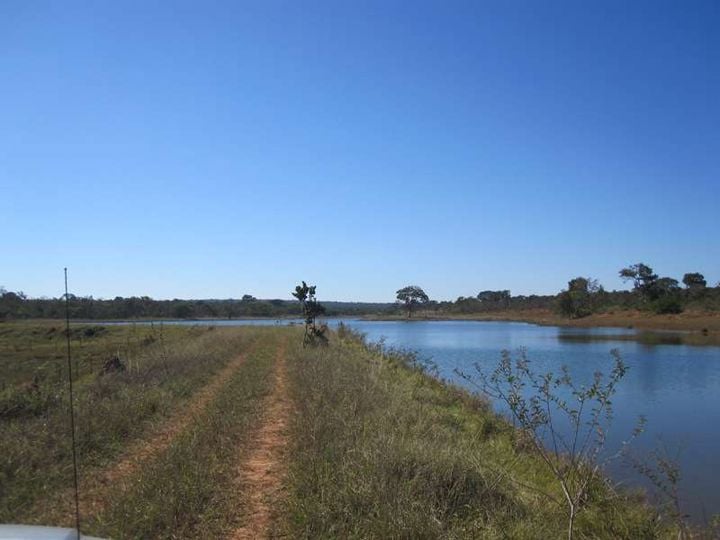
<point>411,296</point>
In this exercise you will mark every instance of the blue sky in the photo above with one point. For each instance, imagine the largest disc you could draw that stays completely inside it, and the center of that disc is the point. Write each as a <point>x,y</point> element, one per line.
<point>213,149</point>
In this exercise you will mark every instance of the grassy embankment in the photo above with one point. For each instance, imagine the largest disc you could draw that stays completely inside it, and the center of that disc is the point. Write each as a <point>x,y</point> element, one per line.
<point>384,451</point>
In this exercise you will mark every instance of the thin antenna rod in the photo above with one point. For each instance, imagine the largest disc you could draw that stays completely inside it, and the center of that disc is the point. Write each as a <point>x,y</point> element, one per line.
<point>72,409</point>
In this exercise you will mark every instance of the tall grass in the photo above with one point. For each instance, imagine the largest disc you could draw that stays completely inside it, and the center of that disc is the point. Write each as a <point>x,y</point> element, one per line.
<point>384,451</point>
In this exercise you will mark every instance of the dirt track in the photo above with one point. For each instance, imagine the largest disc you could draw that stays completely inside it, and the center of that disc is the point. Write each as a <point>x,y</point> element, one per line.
<point>94,488</point>
<point>262,472</point>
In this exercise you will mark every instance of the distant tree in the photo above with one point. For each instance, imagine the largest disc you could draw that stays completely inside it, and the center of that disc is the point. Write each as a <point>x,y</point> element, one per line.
<point>643,279</point>
<point>11,303</point>
<point>260,309</point>
<point>667,298</point>
<point>464,304</point>
<point>411,296</point>
<point>661,294</point>
<point>495,299</point>
<point>183,311</point>
<point>485,296</point>
<point>694,281</point>
<point>248,298</point>
<point>314,335</point>
<point>579,298</point>
<point>4,307</point>
<point>666,285</point>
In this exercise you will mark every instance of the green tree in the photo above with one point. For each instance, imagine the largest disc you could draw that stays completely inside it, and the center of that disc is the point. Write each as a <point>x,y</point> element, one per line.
<point>643,279</point>
<point>579,299</point>
<point>182,311</point>
<point>694,281</point>
<point>411,296</point>
<point>667,296</point>
<point>11,303</point>
<point>661,294</point>
<point>666,285</point>
<point>495,299</point>
<point>314,334</point>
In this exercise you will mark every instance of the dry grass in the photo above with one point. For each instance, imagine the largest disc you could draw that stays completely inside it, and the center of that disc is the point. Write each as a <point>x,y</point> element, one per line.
<point>190,489</point>
<point>113,412</point>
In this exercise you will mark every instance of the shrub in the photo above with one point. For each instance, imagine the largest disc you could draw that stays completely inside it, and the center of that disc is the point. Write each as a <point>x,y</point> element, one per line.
<point>667,304</point>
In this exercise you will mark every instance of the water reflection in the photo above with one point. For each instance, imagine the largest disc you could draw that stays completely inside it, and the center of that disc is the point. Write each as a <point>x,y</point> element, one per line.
<point>647,339</point>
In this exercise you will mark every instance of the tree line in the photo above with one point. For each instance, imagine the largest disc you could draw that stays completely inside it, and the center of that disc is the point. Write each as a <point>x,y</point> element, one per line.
<point>583,296</point>
<point>413,298</point>
<point>650,292</point>
<point>17,305</point>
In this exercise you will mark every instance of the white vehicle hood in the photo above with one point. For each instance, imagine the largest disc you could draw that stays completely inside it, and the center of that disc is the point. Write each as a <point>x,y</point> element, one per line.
<point>32,532</point>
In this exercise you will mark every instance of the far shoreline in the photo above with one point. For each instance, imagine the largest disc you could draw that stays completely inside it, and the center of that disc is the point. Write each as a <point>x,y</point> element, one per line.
<point>687,328</point>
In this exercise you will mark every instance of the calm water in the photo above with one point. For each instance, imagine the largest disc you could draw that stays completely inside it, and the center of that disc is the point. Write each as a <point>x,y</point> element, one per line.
<point>676,387</point>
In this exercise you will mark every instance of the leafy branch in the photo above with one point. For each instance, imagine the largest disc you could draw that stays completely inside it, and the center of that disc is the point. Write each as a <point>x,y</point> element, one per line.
<point>535,401</point>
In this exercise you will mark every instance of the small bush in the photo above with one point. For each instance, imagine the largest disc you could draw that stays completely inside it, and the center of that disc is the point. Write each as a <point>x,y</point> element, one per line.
<point>94,331</point>
<point>113,365</point>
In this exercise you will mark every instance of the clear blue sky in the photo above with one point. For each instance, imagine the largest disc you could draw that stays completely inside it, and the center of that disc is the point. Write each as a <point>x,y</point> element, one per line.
<point>212,149</point>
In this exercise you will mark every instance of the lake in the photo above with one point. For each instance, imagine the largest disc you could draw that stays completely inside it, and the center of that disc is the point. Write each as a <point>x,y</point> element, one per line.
<point>677,387</point>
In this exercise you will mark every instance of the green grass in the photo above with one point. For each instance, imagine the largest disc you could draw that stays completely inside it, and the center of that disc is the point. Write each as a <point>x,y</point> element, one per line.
<point>31,350</point>
<point>384,451</point>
